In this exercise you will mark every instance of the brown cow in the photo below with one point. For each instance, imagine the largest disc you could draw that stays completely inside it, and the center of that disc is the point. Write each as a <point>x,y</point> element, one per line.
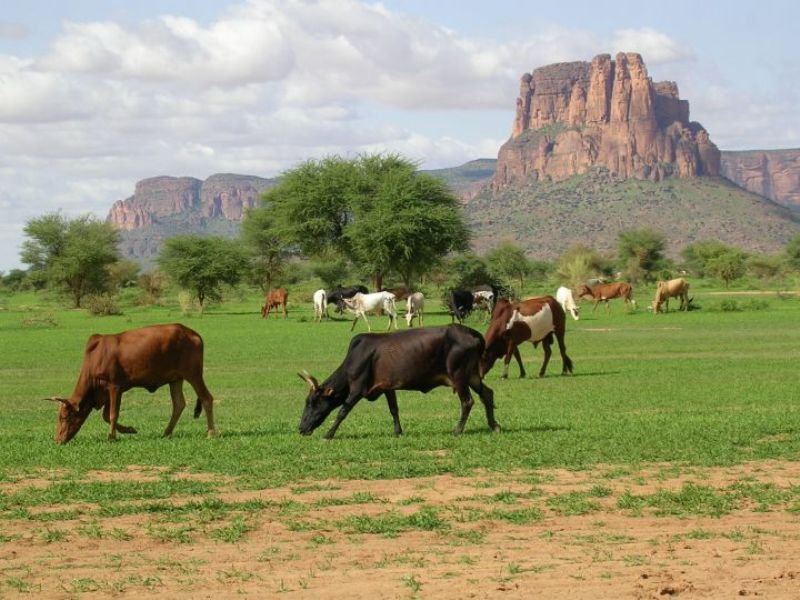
<point>535,320</point>
<point>275,298</point>
<point>674,288</point>
<point>603,292</point>
<point>149,358</point>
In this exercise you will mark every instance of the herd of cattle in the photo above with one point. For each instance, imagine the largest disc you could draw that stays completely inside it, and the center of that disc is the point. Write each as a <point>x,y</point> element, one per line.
<point>413,359</point>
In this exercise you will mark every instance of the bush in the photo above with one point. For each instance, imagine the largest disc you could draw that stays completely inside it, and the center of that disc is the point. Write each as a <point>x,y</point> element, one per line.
<point>102,305</point>
<point>732,305</point>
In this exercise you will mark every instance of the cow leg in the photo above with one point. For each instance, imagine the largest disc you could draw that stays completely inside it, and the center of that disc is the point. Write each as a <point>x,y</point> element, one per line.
<point>594,306</point>
<point>120,427</point>
<point>391,399</point>
<point>205,402</point>
<point>462,388</point>
<point>114,401</point>
<point>178,404</point>
<point>285,311</point>
<point>348,405</point>
<point>486,394</point>
<point>566,361</point>
<point>547,343</point>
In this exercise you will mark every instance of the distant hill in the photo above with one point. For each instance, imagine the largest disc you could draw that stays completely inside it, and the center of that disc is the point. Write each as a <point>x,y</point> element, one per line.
<point>546,217</point>
<point>774,174</point>
<point>595,148</point>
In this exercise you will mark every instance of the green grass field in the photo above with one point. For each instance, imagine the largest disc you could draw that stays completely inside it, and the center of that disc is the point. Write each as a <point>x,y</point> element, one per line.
<point>705,388</point>
<point>647,469</point>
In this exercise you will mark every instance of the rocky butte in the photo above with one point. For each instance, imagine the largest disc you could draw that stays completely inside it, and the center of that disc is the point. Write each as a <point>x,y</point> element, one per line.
<point>774,174</point>
<point>571,117</point>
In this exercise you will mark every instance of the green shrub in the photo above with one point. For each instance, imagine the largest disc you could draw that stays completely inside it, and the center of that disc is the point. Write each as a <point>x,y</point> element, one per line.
<point>102,304</point>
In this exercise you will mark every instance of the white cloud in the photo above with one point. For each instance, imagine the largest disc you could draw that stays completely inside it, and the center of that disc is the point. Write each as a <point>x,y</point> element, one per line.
<point>655,47</point>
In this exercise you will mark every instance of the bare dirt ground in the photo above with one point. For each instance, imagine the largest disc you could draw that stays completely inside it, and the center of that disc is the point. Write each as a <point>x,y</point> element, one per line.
<point>494,536</point>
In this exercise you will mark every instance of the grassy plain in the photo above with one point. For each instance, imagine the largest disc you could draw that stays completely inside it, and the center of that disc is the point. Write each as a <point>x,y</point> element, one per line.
<point>652,398</point>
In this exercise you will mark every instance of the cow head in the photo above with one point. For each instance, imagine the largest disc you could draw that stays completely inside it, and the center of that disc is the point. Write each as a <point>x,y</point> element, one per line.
<point>320,402</point>
<point>575,311</point>
<point>70,418</point>
<point>494,350</point>
<point>583,290</point>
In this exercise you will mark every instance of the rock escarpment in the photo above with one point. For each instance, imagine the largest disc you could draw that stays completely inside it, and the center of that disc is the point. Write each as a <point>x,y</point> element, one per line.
<point>162,207</point>
<point>571,117</point>
<point>774,174</point>
<point>223,196</point>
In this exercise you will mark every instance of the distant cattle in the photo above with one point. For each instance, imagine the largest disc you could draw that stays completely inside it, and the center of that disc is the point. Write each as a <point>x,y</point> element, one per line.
<point>535,320</point>
<point>460,303</point>
<point>483,299</point>
<point>275,298</point>
<point>412,359</point>
<point>567,302</point>
<point>338,295</point>
<point>603,292</point>
<point>361,304</point>
<point>415,306</point>
<point>674,288</point>
<point>320,304</point>
<point>148,357</point>
<point>400,292</point>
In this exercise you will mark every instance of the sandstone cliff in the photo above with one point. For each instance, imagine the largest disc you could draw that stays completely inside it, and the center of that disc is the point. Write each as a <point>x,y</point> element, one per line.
<point>165,206</point>
<point>223,196</point>
<point>774,174</point>
<point>571,117</point>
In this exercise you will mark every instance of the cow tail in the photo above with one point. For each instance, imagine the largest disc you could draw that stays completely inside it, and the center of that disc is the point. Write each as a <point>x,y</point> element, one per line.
<point>198,408</point>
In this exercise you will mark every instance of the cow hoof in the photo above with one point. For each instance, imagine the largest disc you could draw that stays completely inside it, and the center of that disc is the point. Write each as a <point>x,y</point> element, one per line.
<point>211,433</point>
<point>496,428</point>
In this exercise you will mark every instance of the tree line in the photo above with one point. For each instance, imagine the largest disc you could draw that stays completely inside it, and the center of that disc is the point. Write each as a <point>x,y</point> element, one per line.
<point>376,216</point>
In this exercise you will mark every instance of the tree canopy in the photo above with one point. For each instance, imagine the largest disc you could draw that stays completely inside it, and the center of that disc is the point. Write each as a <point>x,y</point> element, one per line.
<point>201,264</point>
<point>641,253</point>
<point>375,210</point>
<point>72,255</point>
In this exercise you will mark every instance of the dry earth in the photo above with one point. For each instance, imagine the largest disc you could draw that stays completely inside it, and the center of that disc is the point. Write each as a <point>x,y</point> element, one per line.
<point>491,536</point>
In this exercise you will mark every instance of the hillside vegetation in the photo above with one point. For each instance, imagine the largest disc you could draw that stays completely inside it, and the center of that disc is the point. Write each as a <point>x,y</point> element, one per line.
<point>546,218</point>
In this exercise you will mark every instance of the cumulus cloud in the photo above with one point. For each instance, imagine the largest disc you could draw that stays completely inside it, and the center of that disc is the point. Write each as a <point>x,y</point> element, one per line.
<point>655,46</point>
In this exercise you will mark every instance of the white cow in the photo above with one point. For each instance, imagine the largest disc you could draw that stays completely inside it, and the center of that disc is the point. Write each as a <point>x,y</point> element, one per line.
<point>320,304</point>
<point>361,304</point>
<point>567,302</point>
<point>485,299</point>
<point>415,303</point>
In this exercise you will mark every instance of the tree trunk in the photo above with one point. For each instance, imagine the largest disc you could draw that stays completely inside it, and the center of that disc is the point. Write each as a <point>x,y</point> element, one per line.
<point>377,281</point>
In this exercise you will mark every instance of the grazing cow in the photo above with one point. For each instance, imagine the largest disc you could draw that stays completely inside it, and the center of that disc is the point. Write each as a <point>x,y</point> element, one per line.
<point>275,298</point>
<point>149,358</point>
<point>361,304</point>
<point>603,292</point>
<point>400,292</point>
<point>320,304</point>
<point>567,302</point>
<point>535,320</point>
<point>415,305</point>
<point>674,288</point>
<point>412,359</point>
<point>339,294</point>
<point>483,299</point>
<point>460,304</point>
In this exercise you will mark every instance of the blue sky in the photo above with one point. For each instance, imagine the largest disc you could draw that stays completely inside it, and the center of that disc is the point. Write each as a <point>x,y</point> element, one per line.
<point>95,95</point>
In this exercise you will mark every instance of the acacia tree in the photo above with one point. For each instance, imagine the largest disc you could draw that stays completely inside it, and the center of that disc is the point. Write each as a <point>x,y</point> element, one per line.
<point>793,252</point>
<point>201,264</point>
<point>72,256</point>
<point>376,211</point>
<point>266,250</point>
<point>641,252</point>
<point>509,261</point>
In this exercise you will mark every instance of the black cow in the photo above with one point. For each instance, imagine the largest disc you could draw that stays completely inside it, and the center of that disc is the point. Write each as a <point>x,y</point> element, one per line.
<point>412,359</point>
<point>338,295</point>
<point>460,304</point>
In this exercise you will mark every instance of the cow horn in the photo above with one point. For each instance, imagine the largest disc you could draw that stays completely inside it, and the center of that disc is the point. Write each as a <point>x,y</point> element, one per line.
<point>309,379</point>
<point>56,399</point>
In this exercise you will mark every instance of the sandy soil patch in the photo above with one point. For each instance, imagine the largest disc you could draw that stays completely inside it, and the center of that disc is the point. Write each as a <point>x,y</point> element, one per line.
<point>489,536</point>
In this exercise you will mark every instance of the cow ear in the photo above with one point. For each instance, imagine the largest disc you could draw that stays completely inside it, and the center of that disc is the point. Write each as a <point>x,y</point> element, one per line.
<point>327,392</point>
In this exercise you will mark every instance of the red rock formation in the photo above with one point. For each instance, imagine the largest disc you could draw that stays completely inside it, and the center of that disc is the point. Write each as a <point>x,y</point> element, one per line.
<point>571,117</point>
<point>223,196</point>
<point>774,174</point>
